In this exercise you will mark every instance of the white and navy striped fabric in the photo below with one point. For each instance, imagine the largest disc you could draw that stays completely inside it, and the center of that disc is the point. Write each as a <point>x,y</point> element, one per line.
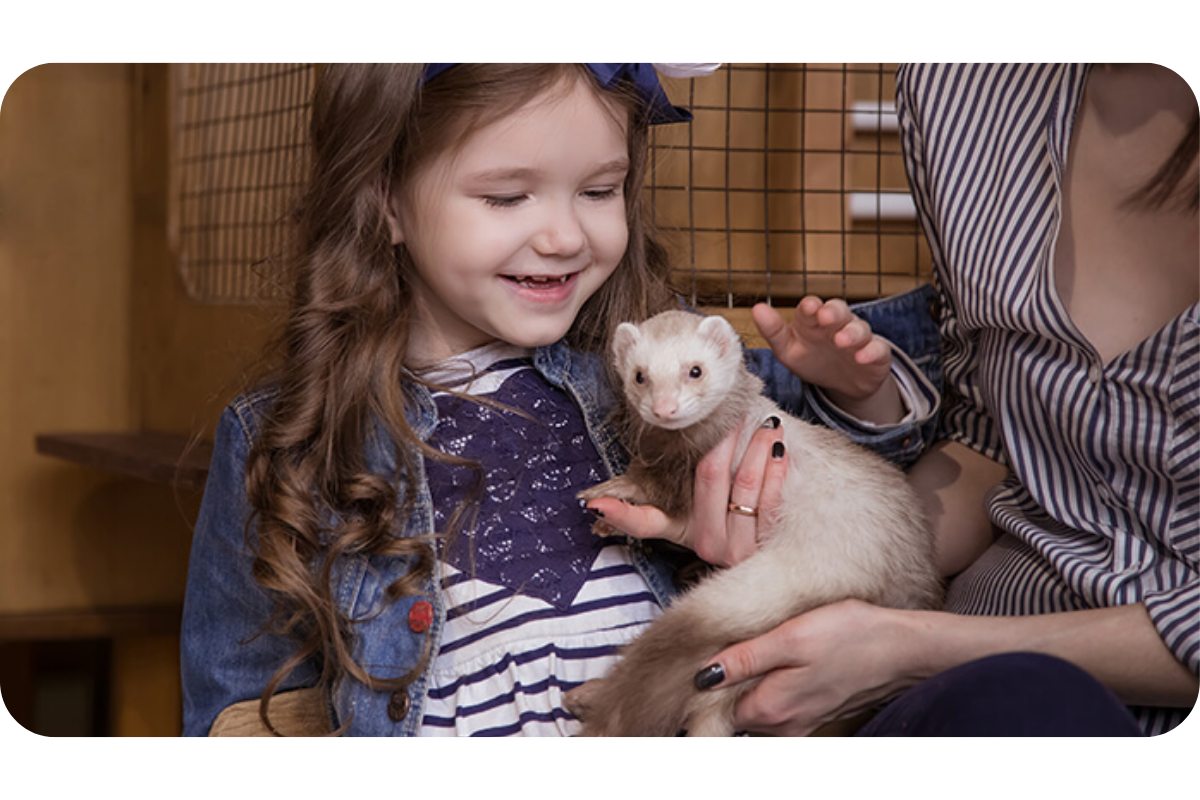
<point>1102,508</point>
<point>536,603</point>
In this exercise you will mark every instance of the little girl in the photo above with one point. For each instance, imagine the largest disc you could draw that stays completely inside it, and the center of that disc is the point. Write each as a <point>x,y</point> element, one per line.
<point>390,524</point>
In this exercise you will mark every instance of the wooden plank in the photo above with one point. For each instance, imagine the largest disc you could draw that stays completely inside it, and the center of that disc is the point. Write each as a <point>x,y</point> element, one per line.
<point>92,623</point>
<point>161,458</point>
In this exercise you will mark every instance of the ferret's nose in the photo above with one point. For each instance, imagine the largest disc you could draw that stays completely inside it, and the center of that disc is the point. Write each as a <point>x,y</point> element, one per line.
<point>665,407</point>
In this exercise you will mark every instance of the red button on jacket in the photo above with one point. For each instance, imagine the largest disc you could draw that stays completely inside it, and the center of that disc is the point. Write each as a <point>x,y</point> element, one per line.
<point>420,616</point>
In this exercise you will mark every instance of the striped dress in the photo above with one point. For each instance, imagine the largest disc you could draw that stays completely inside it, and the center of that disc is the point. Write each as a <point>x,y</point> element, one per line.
<point>1101,508</point>
<point>536,603</point>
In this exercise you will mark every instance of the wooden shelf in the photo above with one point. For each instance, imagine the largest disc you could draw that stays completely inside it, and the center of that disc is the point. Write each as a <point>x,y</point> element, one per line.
<point>162,458</point>
<point>91,623</point>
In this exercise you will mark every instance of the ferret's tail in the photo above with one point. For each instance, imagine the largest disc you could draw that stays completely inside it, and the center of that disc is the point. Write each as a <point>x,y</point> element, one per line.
<point>648,692</point>
<point>651,690</point>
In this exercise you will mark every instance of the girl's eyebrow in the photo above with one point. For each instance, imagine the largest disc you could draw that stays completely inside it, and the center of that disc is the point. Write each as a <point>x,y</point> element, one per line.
<point>502,174</point>
<point>620,164</point>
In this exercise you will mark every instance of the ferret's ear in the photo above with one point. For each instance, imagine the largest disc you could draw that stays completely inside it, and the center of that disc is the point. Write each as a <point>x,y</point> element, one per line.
<point>716,329</point>
<point>624,338</point>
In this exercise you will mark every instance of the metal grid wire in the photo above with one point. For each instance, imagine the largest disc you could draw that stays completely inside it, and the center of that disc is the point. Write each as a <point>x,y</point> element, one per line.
<point>238,140</point>
<point>788,181</point>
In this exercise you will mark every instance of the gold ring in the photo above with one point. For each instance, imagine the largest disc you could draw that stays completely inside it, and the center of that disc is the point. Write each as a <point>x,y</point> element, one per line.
<point>745,511</point>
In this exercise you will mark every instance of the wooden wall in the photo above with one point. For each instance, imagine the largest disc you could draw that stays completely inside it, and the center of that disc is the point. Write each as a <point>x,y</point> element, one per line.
<point>97,336</point>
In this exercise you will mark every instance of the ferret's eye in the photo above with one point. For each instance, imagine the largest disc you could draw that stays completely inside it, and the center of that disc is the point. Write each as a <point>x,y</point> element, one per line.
<point>696,372</point>
<point>638,377</point>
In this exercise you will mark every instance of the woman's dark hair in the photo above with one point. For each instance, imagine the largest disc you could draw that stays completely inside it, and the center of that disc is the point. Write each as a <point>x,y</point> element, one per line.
<point>1170,186</point>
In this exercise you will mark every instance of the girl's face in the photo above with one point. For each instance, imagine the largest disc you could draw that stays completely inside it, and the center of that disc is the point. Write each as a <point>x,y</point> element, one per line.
<point>515,230</point>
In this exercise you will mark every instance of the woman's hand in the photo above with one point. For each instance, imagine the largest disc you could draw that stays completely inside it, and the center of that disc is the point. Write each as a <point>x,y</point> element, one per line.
<point>827,664</point>
<point>719,535</point>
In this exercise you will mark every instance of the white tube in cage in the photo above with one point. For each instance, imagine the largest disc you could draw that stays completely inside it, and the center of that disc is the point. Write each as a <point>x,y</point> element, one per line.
<point>881,206</point>
<point>869,116</point>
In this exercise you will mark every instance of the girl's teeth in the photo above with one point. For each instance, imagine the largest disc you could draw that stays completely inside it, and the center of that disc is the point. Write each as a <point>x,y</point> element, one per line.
<point>540,281</point>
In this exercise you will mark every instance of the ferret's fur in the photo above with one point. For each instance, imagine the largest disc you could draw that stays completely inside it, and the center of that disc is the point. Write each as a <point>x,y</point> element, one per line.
<point>849,527</point>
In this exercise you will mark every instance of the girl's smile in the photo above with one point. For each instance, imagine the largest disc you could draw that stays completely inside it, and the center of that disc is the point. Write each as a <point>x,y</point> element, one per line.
<point>544,288</point>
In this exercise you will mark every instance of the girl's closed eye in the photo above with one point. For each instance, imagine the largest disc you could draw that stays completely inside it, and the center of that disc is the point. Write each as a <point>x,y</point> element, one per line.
<point>513,200</point>
<point>603,193</point>
<point>503,200</point>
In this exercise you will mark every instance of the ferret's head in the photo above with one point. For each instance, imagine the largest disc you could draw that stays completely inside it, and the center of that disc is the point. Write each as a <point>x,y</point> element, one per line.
<point>677,367</point>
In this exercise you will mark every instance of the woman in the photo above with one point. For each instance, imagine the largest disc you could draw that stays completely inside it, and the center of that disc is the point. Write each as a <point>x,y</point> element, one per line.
<point>1060,204</point>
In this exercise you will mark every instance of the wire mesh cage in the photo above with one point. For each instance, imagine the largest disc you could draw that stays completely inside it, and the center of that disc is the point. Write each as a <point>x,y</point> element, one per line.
<point>238,146</point>
<point>789,181</point>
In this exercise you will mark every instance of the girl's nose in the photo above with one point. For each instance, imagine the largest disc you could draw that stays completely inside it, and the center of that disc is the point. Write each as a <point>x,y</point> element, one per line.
<point>561,233</point>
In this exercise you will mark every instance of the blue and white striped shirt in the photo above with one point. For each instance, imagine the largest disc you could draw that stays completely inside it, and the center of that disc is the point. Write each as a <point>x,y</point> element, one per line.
<point>536,603</point>
<point>1102,506</point>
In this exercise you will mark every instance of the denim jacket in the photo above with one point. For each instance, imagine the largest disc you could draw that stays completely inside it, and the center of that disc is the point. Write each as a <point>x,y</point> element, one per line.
<point>225,658</point>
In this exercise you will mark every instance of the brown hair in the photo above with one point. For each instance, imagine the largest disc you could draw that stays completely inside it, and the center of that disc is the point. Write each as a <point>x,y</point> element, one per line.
<point>1168,188</point>
<point>343,345</point>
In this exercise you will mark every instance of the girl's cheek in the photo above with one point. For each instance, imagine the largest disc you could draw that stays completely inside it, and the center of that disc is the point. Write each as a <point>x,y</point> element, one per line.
<point>618,236</point>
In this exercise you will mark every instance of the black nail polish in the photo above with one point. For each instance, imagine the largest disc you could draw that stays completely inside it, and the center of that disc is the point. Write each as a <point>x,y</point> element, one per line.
<point>777,450</point>
<point>772,423</point>
<point>595,511</point>
<point>710,676</point>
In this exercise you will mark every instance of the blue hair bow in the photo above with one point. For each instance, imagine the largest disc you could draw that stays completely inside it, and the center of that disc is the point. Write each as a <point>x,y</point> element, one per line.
<point>643,76</point>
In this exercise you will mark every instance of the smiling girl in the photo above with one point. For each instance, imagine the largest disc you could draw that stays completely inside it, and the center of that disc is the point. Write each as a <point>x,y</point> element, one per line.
<point>389,534</point>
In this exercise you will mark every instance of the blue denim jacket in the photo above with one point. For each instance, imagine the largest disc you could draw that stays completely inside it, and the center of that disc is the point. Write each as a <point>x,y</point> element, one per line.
<point>225,659</point>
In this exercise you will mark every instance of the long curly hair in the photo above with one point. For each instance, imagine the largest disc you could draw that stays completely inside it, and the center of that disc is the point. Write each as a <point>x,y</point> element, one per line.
<point>341,354</point>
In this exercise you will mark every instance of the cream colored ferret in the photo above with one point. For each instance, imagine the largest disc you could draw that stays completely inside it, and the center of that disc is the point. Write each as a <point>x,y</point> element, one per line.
<point>850,526</point>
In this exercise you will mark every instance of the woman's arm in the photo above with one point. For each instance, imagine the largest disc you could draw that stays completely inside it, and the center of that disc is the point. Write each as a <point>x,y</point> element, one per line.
<point>953,481</point>
<point>1119,646</point>
<point>844,658</point>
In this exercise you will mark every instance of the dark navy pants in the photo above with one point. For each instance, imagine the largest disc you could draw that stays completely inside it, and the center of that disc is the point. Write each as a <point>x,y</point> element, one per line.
<point>1014,694</point>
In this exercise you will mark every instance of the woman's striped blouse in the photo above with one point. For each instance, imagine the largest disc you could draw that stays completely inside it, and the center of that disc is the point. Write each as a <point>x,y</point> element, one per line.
<point>1102,505</point>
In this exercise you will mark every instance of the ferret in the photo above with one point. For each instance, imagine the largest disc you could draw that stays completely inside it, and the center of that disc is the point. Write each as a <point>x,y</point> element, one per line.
<point>849,527</point>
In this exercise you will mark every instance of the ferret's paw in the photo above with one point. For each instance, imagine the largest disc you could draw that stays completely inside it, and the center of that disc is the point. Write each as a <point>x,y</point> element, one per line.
<point>604,529</point>
<point>578,700</point>
<point>596,492</point>
<point>620,488</point>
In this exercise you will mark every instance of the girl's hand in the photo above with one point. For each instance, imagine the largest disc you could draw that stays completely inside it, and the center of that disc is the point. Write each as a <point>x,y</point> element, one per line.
<point>827,664</point>
<point>718,535</point>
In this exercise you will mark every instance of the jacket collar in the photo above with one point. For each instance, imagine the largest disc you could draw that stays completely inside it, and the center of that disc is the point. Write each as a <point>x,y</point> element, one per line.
<point>558,363</point>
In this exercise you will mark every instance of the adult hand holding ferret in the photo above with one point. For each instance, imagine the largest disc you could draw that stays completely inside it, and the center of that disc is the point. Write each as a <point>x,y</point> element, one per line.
<point>825,344</point>
<point>718,535</point>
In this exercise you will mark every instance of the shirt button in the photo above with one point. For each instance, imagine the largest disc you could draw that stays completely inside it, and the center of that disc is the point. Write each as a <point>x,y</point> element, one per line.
<point>397,707</point>
<point>420,616</point>
<point>1095,374</point>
